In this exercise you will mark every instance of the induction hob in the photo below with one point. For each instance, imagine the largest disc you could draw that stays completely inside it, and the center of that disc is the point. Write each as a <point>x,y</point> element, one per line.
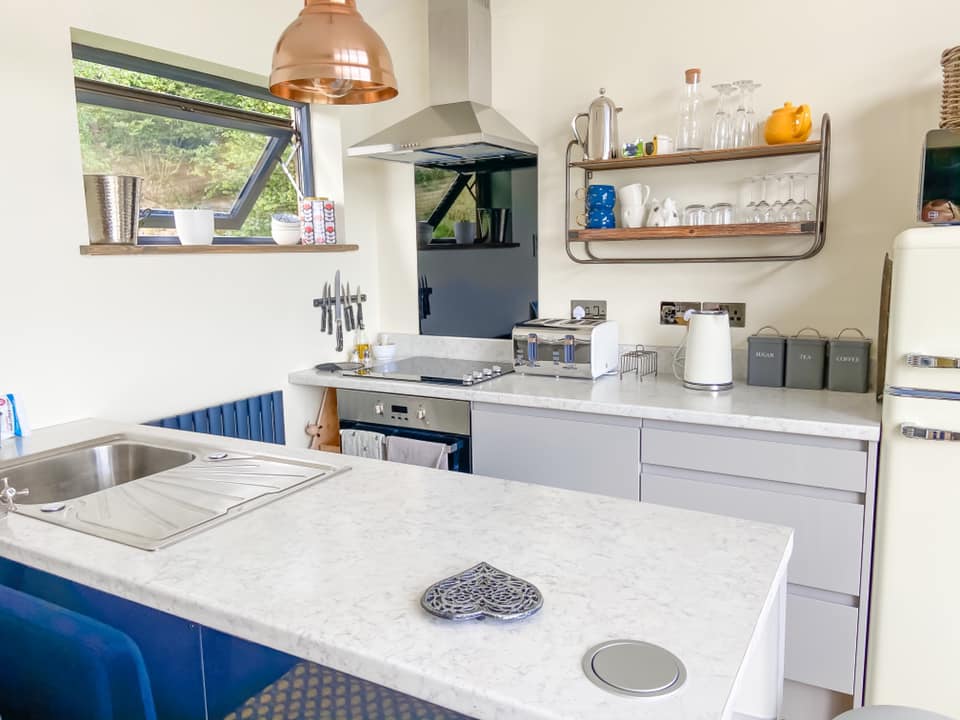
<point>444,371</point>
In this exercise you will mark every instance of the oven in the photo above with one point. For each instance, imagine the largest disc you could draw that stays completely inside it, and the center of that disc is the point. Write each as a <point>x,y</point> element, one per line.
<point>436,420</point>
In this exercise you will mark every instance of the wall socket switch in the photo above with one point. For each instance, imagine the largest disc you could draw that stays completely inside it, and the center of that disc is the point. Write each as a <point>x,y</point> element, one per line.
<point>672,310</point>
<point>592,309</point>
<point>736,311</point>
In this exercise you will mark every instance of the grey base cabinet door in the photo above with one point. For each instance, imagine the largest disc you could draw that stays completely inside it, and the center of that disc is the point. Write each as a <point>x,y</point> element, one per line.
<point>823,488</point>
<point>573,451</point>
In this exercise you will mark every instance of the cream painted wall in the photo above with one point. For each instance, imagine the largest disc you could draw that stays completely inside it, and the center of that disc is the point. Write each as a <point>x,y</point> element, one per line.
<point>872,64</point>
<point>138,338</point>
<point>134,338</point>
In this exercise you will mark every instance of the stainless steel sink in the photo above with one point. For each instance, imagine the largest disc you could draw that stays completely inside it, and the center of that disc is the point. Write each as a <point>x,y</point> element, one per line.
<point>149,495</point>
<point>89,469</point>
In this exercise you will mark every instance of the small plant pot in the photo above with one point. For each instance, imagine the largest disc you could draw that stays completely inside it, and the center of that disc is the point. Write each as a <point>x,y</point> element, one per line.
<point>194,227</point>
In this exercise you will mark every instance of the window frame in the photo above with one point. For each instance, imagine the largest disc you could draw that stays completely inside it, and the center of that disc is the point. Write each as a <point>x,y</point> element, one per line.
<point>279,132</point>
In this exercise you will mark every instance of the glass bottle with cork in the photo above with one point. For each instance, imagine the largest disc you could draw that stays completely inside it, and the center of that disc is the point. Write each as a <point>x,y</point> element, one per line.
<point>690,132</point>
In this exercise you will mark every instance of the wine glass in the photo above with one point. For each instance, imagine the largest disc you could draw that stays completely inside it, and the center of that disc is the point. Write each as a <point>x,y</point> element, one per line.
<point>790,205</point>
<point>745,119</point>
<point>745,126</point>
<point>748,193</point>
<point>762,209</point>
<point>775,214</point>
<point>804,210</point>
<point>721,133</point>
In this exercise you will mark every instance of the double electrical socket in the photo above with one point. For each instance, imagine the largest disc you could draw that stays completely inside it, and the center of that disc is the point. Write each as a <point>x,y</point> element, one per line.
<point>591,309</point>
<point>671,311</point>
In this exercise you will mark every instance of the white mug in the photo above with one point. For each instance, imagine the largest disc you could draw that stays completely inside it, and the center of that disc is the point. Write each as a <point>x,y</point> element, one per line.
<point>632,216</point>
<point>636,194</point>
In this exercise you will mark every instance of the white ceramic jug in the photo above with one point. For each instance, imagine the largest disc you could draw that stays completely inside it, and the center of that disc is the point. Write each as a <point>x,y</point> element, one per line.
<point>633,204</point>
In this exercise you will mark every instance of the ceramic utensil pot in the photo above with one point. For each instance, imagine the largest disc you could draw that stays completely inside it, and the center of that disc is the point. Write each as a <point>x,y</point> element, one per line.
<point>600,138</point>
<point>113,208</point>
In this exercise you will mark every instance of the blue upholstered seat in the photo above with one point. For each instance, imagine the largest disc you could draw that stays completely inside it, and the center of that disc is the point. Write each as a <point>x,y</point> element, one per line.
<point>55,663</point>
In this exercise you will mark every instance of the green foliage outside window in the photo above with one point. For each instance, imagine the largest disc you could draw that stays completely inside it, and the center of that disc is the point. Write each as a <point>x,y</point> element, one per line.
<point>431,185</point>
<point>184,164</point>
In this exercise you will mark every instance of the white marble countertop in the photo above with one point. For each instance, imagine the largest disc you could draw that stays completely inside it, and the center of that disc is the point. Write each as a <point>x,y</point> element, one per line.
<point>334,574</point>
<point>805,412</point>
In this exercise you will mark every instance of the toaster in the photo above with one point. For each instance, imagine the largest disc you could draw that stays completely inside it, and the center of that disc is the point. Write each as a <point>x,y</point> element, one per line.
<point>566,348</point>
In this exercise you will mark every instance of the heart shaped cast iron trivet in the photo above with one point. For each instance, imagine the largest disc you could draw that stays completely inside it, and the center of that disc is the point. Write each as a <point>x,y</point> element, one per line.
<point>482,592</point>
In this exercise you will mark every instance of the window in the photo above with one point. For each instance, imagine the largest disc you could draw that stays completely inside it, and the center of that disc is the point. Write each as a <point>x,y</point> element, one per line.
<point>444,197</point>
<point>199,141</point>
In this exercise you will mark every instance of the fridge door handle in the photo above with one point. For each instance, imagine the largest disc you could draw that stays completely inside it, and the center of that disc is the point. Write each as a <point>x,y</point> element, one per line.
<point>933,361</point>
<point>914,432</point>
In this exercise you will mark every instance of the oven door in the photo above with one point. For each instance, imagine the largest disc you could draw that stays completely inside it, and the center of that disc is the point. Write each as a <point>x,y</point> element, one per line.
<point>459,458</point>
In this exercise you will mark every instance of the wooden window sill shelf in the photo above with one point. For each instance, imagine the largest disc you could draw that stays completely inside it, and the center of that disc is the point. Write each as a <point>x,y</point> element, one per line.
<point>211,249</point>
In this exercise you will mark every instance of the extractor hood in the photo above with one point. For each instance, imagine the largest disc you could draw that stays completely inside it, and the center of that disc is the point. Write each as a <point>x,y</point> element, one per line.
<point>460,127</point>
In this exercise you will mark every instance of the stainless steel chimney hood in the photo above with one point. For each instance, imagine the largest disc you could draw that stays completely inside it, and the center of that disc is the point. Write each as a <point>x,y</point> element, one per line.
<point>460,127</point>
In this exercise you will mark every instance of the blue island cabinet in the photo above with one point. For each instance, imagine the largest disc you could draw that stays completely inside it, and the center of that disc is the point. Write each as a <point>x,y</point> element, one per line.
<point>189,672</point>
<point>194,672</point>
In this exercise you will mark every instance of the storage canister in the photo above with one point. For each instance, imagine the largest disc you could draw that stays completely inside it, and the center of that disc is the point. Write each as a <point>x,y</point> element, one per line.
<point>848,364</point>
<point>767,358</point>
<point>806,360</point>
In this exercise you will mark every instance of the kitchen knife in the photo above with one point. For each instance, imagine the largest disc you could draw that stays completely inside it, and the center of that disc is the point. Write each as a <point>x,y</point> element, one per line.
<point>329,310</point>
<point>348,310</point>
<point>359,310</point>
<point>338,299</point>
<point>323,310</point>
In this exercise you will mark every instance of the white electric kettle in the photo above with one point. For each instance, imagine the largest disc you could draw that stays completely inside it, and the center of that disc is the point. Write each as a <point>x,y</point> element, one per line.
<point>706,355</point>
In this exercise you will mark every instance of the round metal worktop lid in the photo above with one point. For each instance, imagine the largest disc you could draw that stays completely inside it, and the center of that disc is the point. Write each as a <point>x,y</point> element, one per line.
<point>631,667</point>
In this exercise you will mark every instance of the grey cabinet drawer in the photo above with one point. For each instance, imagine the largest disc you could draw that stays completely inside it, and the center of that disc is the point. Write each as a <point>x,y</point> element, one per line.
<point>563,450</point>
<point>819,466</point>
<point>821,643</point>
<point>828,534</point>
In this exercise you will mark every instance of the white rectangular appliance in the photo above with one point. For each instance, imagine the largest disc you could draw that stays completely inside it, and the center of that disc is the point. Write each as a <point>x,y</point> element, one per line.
<point>914,632</point>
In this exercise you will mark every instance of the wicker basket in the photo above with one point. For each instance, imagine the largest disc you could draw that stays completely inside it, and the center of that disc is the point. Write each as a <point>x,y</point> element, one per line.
<point>950,102</point>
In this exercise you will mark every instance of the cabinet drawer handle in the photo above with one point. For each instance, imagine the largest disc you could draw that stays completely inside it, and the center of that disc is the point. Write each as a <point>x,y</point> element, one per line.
<point>921,433</point>
<point>933,361</point>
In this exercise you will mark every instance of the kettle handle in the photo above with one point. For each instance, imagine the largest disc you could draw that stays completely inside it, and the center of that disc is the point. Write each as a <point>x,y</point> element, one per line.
<point>576,131</point>
<point>802,121</point>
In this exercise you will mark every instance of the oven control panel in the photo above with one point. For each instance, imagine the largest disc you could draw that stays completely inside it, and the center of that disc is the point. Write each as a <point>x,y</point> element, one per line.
<point>399,412</point>
<point>404,411</point>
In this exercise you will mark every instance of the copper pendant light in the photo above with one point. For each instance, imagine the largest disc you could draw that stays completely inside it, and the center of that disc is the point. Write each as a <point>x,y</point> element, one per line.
<point>330,55</point>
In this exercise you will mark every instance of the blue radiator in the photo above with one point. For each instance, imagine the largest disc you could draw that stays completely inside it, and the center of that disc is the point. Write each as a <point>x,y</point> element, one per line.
<point>255,418</point>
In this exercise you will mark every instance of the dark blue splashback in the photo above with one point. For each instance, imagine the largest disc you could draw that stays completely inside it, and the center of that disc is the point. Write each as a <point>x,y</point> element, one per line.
<point>255,418</point>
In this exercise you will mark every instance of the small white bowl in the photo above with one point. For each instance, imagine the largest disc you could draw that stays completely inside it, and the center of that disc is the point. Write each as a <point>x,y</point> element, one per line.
<point>384,352</point>
<point>286,235</point>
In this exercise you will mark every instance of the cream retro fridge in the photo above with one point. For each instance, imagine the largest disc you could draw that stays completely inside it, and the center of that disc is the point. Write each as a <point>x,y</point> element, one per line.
<point>914,630</point>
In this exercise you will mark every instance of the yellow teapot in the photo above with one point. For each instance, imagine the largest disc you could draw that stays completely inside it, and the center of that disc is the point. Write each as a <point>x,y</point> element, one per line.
<point>788,124</point>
